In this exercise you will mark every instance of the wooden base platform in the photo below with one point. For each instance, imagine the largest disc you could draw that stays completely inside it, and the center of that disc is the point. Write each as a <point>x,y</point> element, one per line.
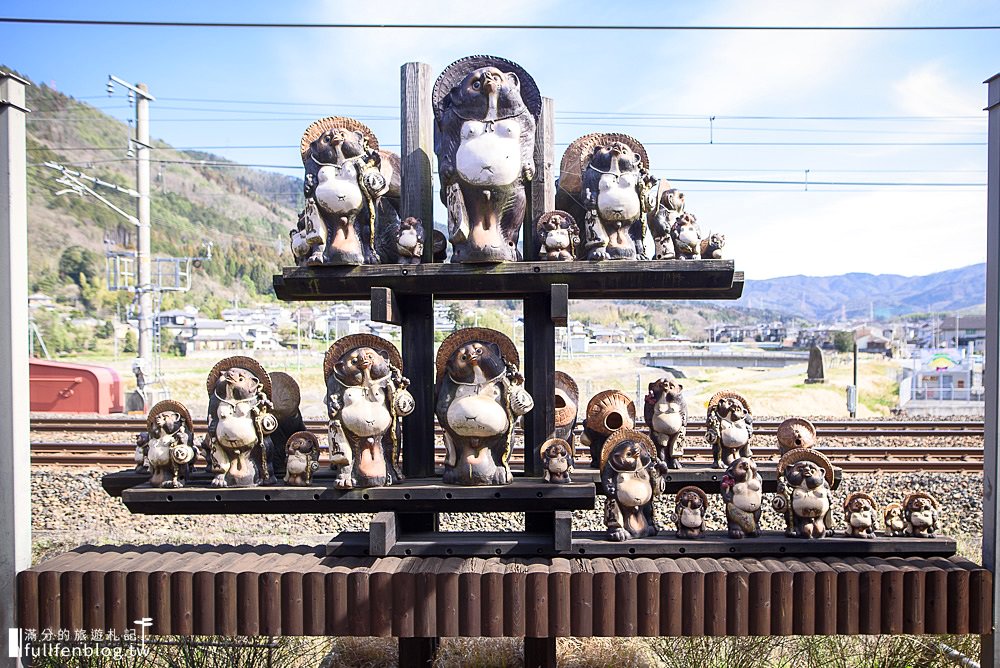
<point>425,495</point>
<point>591,544</point>
<point>287,590</point>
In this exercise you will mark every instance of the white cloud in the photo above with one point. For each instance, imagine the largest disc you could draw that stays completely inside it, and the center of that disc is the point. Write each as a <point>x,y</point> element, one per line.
<point>930,89</point>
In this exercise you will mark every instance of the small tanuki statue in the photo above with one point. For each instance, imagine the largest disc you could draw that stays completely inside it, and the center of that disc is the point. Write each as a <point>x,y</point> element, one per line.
<point>170,449</point>
<point>557,460</point>
<point>349,217</point>
<point>661,219</point>
<point>238,445</point>
<point>665,413</point>
<point>607,412</point>
<point>485,110</point>
<point>861,513</point>
<point>567,401</point>
<point>690,506</point>
<point>366,396</point>
<point>920,512</point>
<point>729,427</point>
<point>557,236</point>
<point>687,237</point>
<point>604,181</point>
<point>742,492</point>
<point>892,517</point>
<point>301,458</point>
<point>410,241</point>
<point>631,477</point>
<point>480,394</point>
<point>805,477</point>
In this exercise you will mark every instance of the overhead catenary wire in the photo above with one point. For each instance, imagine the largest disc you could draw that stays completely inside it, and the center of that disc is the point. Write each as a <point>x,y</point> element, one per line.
<point>633,27</point>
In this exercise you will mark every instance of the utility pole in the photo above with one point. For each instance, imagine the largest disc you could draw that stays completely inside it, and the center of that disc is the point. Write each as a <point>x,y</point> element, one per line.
<point>144,287</point>
<point>15,468</point>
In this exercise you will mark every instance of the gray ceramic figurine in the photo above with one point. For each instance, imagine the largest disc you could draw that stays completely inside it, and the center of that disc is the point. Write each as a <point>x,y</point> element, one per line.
<point>920,512</point>
<point>630,478</point>
<point>729,428</point>
<point>485,109</point>
<point>742,492</point>
<point>805,477</point>
<point>480,393</point>
<point>690,506</point>
<point>366,398</point>
<point>301,458</point>
<point>351,189</point>
<point>170,448</point>
<point>665,412</point>
<point>557,460</point>
<point>238,444</point>
<point>605,183</point>
<point>861,514</point>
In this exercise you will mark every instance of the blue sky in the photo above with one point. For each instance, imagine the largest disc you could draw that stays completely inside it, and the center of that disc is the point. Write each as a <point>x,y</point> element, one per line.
<point>238,88</point>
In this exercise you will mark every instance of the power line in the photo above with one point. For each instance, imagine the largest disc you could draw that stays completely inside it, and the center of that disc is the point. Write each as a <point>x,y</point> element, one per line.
<point>922,184</point>
<point>479,26</point>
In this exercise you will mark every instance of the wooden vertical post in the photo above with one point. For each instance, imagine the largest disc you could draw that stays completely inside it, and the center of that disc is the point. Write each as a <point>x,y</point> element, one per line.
<point>15,467</point>
<point>418,366</point>
<point>417,312</point>
<point>417,147</point>
<point>539,371</point>
<point>542,190</point>
<point>990,653</point>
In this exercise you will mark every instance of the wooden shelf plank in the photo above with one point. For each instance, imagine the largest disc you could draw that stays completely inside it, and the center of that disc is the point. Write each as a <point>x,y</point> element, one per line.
<point>619,279</point>
<point>410,496</point>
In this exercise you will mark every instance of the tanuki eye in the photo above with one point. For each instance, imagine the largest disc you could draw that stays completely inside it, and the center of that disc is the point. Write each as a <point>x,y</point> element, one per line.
<point>476,85</point>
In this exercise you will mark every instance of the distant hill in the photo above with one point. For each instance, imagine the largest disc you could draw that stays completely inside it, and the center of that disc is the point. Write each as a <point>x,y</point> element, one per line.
<point>827,297</point>
<point>246,213</point>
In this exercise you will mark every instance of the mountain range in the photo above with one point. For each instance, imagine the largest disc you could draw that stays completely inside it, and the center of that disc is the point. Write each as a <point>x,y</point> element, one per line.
<point>858,295</point>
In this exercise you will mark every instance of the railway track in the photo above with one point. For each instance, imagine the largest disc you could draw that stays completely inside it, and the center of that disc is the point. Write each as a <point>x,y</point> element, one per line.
<point>862,458</point>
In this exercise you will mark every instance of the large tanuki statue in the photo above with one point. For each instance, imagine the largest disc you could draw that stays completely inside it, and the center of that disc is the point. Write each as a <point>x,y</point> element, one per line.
<point>805,477</point>
<point>630,478</point>
<point>366,397</point>
<point>604,181</point>
<point>351,188</point>
<point>480,393</point>
<point>485,109</point>
<point>238,444</point>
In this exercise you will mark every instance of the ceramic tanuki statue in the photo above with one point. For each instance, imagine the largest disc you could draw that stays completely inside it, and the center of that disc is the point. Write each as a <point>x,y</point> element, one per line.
<point>607,412</point>
<point>238,444</point>
<point>301,458</point>
<point>485,109</point>
<point>349,218</point>
<point>861,513</point>
<point>690,506</point>
<point>604,181</point>
<point>170,447</point>
<point>729,427</point>
<point>567,401</point>
<point>920,512</point>
<point>666,416</point>
<point>805,477</point>
<point>557,460</point>
<point>630,477</point>
<point>557,236</point>
<point>742,492</point>
<point>480,393</point>
<point>366,397</point>
<point>892,517</point>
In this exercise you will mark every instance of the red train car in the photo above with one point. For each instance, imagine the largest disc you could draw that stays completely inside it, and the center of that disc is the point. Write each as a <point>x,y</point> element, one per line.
<point>61,387</point>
